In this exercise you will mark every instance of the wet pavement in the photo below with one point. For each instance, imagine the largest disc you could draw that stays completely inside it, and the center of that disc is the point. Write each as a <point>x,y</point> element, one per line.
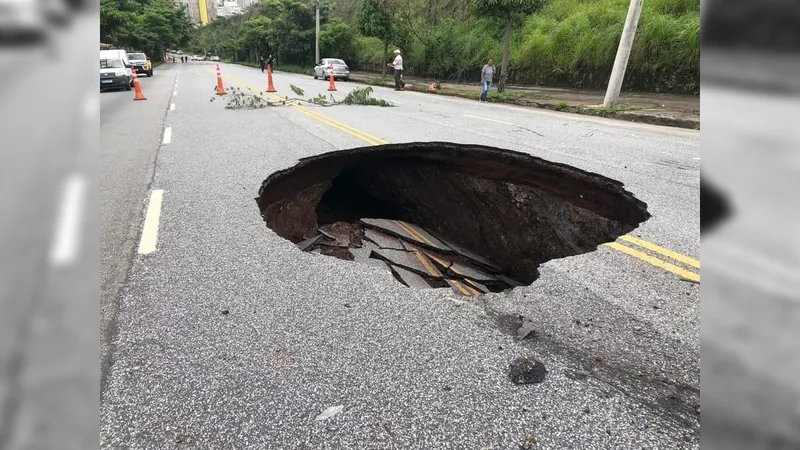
<point>229,335</point>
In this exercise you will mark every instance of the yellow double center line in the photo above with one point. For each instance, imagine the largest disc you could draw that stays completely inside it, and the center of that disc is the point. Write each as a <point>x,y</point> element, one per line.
<point>370,139</point>
<point>657,262</point>
<point>685,272</point>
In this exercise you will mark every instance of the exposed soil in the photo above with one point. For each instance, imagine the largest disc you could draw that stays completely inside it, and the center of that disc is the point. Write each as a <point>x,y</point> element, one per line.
<point>511,210</point>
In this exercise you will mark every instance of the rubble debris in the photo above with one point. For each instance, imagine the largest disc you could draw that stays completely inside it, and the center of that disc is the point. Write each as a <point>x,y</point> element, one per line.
<point>525,330</point>
<point>326,234</point>
<point>477,285</point>
<point>401,250</point>
<point>529,442</point>
<point>461,288</point>
<point>471,218</point>
<point>306,244</point>
<point>341,234</point>
<point>409,278</point>
<point>342,241</point>
<point>383,240</point>
<point>331,411</point>
<point>408,232</point>
<point>472,256</point>
<point>526,370</point>
<point>364,252</point>
<point>509,281</point>
<point>462,270</point>
<point>376,263</point>
<point>336,252</point>
<point>407,260</point>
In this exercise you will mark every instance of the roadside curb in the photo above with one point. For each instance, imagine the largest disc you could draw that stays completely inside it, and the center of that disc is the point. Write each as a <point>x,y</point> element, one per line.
<point>628,116</point>
<point>640,116</point>
<point>770,87</point>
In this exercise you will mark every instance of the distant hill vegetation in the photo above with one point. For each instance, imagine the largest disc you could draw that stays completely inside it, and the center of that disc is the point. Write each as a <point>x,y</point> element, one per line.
<point>568,43</point>
<point>764,24</point>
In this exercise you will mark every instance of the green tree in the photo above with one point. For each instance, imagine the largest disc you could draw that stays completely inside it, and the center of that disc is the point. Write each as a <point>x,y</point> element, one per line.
<point>258,34</point>
<point>510,13</point>
<point>292,24</point>
<point>149,25</point>
<point>375,19</point>
<point>337,40</point>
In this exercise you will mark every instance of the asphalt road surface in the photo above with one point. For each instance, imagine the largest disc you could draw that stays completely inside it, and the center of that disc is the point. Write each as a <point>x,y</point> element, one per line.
<point>751,276</point>
<point>49,371</point>
<point>228,336</point>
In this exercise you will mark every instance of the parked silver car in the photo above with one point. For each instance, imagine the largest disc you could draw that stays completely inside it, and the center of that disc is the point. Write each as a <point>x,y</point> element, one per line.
<point>340,69</point>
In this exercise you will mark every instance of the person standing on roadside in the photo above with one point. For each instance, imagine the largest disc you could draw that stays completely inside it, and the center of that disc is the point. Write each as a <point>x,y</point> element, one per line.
<point>271,62</point>
<point>263,64</point>
<point>398,70</point>
<point>487,73</point>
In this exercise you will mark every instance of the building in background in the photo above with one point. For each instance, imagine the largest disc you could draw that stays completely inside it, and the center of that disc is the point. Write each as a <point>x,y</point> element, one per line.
<point>227,8</point>
<point>212,10</point>
<point>202,11</point>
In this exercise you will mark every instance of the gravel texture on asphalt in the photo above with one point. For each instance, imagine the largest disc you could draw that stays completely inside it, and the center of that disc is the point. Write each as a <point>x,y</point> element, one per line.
<point>412,369</point>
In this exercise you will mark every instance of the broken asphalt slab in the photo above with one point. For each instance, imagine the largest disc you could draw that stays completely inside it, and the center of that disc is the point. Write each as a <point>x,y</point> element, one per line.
<point>408,232</point>
<point>413,261</point>
<point>410,279</point>
<point>516,209</point>
<point>383,240</point>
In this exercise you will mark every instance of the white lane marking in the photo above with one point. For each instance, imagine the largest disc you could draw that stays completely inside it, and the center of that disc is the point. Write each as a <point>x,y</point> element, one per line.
<point>172,106</point>
<point>755,260</point>
<point>747,277</point>
<point>91,107</point>
<point>696,159</point>
<point>167,135</point>
<point>748,267</point>
<point>490,120</point>
<point>150,230</point>
<point>174,93</point>
<point>67,232</point>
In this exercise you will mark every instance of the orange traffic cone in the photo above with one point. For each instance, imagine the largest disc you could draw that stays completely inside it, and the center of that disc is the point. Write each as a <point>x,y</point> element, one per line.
<point>220,89</point>
<point>331,86</point>
<point>270,86</point>
<point>138,89</point>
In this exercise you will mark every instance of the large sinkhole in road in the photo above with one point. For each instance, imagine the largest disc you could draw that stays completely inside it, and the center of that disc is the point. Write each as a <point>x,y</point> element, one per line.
<point>472,218</point>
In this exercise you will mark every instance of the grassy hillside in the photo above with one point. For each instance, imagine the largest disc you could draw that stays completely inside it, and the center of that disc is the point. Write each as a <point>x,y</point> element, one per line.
<point>570,43</point>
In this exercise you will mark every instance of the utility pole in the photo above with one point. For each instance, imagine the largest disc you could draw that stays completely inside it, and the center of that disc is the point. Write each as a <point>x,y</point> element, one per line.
<point>316,54</point>
<point>623,52</point>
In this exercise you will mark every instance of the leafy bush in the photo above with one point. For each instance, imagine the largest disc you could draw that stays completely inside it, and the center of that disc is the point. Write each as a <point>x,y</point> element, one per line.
<point>569,43</point>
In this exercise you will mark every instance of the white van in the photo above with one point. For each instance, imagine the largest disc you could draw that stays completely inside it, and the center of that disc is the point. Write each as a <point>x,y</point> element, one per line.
<point>115,70</point>
<point>121,55</point>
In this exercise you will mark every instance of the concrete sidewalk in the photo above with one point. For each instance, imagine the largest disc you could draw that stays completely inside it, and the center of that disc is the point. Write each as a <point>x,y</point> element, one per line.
<point>659,109</point>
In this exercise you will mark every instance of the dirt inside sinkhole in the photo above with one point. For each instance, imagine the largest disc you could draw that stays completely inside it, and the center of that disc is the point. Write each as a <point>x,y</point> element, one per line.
<point>470,217</point>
